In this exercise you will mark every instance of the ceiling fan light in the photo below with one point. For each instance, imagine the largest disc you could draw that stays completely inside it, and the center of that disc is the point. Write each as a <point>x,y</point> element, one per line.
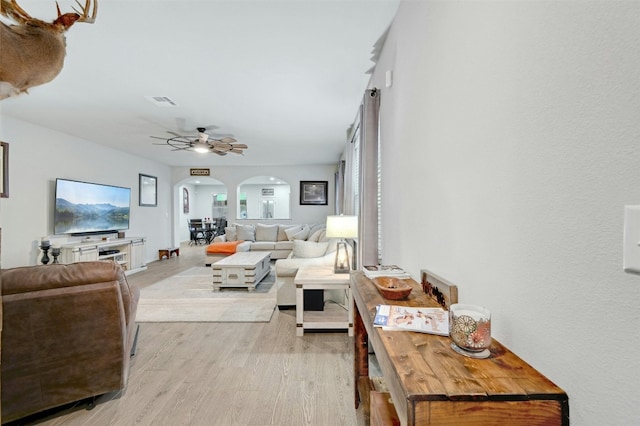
<point>201,147</point>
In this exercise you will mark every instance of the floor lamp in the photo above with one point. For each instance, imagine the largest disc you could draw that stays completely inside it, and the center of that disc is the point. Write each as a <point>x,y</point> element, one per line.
<point>342,227</point>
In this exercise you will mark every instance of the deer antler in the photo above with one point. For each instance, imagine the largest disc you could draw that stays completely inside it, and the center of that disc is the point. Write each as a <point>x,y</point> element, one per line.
<point>13,11</point>
<point>84,16</point>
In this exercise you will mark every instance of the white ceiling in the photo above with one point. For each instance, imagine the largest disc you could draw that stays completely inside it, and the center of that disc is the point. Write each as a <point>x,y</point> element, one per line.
<point>284,77</point>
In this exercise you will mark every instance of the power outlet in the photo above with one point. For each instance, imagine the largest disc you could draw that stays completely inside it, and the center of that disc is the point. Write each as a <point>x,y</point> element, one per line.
<point>631,240</point>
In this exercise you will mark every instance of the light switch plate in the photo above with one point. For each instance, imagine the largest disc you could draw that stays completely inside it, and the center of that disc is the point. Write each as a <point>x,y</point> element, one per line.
<point>631,240</point>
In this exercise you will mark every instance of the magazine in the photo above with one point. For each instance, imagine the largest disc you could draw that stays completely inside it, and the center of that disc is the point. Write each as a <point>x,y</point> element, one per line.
<point>374,271</point>
<point>423,320</point>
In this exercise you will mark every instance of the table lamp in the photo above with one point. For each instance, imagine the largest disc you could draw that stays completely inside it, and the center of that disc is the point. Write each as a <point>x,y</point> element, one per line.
<point>342,227</point>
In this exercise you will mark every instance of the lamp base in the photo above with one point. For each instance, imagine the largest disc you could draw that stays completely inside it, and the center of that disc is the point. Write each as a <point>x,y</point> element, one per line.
<point>342,265</point>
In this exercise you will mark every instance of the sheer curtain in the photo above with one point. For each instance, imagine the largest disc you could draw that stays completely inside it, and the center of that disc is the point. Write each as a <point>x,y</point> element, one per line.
<point>362,195</point>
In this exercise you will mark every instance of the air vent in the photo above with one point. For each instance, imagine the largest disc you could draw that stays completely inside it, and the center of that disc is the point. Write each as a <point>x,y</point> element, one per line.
<point>161,101</point>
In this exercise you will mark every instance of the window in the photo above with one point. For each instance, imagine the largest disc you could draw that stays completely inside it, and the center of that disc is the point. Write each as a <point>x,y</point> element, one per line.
<point>264,197</point>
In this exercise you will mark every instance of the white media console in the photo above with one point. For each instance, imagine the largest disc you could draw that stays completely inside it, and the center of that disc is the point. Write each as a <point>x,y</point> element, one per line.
<point>128,252</point>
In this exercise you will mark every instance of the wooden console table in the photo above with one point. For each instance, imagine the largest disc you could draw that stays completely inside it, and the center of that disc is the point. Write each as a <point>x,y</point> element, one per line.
<point>431,384</point>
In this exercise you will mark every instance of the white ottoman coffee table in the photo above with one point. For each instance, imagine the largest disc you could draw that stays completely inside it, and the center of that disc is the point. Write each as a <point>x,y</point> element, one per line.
<point>244,269</point>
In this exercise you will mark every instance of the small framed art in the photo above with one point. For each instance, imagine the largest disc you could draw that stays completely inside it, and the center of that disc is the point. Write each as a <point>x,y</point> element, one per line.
<point>148,190</point>
<point>313,192</point>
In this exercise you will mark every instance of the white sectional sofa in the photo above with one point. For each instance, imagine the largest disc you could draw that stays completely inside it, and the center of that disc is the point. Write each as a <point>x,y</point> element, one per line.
<point>277,239</point>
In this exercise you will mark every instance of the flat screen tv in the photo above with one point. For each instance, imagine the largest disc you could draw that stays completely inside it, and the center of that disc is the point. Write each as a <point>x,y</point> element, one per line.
<point>84,208</point>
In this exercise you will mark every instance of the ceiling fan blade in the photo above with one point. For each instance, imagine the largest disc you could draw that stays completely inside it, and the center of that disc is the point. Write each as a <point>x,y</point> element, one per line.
<point>237,151</point>
<point>175,134</point>
<point>228,139</point>
<point>239,146</point>
<point>158,137</point>
<point>220,153</point>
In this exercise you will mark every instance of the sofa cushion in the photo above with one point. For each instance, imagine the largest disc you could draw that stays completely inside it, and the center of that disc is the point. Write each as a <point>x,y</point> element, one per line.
<point>308,249</point>
<point>263,245</point>
<point>266,232</point>
<point>230,233</point>
<point>282,236</point>
<point>284,245</point>
<point>245,232</point>
<point>289,267</point>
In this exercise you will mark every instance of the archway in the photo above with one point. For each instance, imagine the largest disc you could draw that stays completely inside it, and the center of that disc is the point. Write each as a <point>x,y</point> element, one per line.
<point>200,197</point>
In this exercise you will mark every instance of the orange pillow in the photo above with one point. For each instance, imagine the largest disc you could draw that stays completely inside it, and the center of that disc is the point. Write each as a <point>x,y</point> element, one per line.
<point>225,247</point>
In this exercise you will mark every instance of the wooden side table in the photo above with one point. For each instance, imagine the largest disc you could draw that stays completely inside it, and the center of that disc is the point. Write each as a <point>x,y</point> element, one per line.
<point>430,384</point>
<point>318,277</point>
<point>168,252</point>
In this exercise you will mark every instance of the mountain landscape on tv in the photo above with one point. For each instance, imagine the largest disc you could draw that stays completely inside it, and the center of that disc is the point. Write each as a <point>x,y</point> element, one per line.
<point>78,218</point>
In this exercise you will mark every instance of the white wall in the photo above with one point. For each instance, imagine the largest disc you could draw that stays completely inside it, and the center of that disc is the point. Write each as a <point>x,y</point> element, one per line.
<point>511,143</point>
<point>37,156</point>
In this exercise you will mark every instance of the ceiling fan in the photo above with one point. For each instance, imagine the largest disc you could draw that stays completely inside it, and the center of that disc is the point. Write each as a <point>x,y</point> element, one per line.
<point>203,143</point>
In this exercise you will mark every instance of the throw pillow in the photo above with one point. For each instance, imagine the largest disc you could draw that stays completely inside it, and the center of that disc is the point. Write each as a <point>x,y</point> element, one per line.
<point>292,231</point>
<point>266,232</point>
<point>245,232</point>
<point>316,227</point>
<point>332,245</point>
<point>323,236</point>
<point>282,232</point>
<point>303,234</point>
<point>308,249</point>
<point>315,236</point>
<point>230,233</point>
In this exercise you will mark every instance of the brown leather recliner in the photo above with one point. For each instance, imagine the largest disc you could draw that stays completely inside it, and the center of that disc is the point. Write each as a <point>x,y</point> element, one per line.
<point>68,334</point>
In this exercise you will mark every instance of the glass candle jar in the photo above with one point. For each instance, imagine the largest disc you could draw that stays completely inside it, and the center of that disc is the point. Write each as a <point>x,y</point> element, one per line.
<point>470,330</point>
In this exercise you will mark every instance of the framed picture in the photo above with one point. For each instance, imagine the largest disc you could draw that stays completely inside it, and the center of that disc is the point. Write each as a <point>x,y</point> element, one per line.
<point>148,190</point>
<point>313,192</point>
<point>185,200</point>
<point>4,170</point>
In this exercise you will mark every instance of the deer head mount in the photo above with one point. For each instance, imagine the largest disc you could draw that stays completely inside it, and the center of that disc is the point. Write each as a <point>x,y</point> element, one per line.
<point>33,51</point>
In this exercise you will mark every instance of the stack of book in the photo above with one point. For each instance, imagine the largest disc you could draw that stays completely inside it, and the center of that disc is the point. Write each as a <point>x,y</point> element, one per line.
<point>423,320</point>
<point>375,271</point>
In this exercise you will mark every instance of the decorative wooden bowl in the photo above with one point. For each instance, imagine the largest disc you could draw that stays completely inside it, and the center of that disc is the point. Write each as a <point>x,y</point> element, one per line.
<point>392,288</point>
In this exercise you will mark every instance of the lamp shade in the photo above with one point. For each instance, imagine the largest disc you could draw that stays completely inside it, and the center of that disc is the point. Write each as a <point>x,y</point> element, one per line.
<point>342,226</point>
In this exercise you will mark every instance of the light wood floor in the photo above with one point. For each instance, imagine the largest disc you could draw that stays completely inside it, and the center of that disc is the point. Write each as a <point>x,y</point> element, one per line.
<point>228,373</point>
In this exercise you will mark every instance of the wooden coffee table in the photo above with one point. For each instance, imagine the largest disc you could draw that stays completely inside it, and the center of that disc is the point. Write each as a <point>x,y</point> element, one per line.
<point>244,269</point>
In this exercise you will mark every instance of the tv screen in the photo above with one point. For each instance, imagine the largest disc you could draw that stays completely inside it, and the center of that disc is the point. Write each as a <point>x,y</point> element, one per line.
<point>89,208</point>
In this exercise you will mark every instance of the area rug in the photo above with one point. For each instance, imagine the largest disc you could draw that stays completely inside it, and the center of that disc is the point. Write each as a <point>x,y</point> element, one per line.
<point>189,297</point>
